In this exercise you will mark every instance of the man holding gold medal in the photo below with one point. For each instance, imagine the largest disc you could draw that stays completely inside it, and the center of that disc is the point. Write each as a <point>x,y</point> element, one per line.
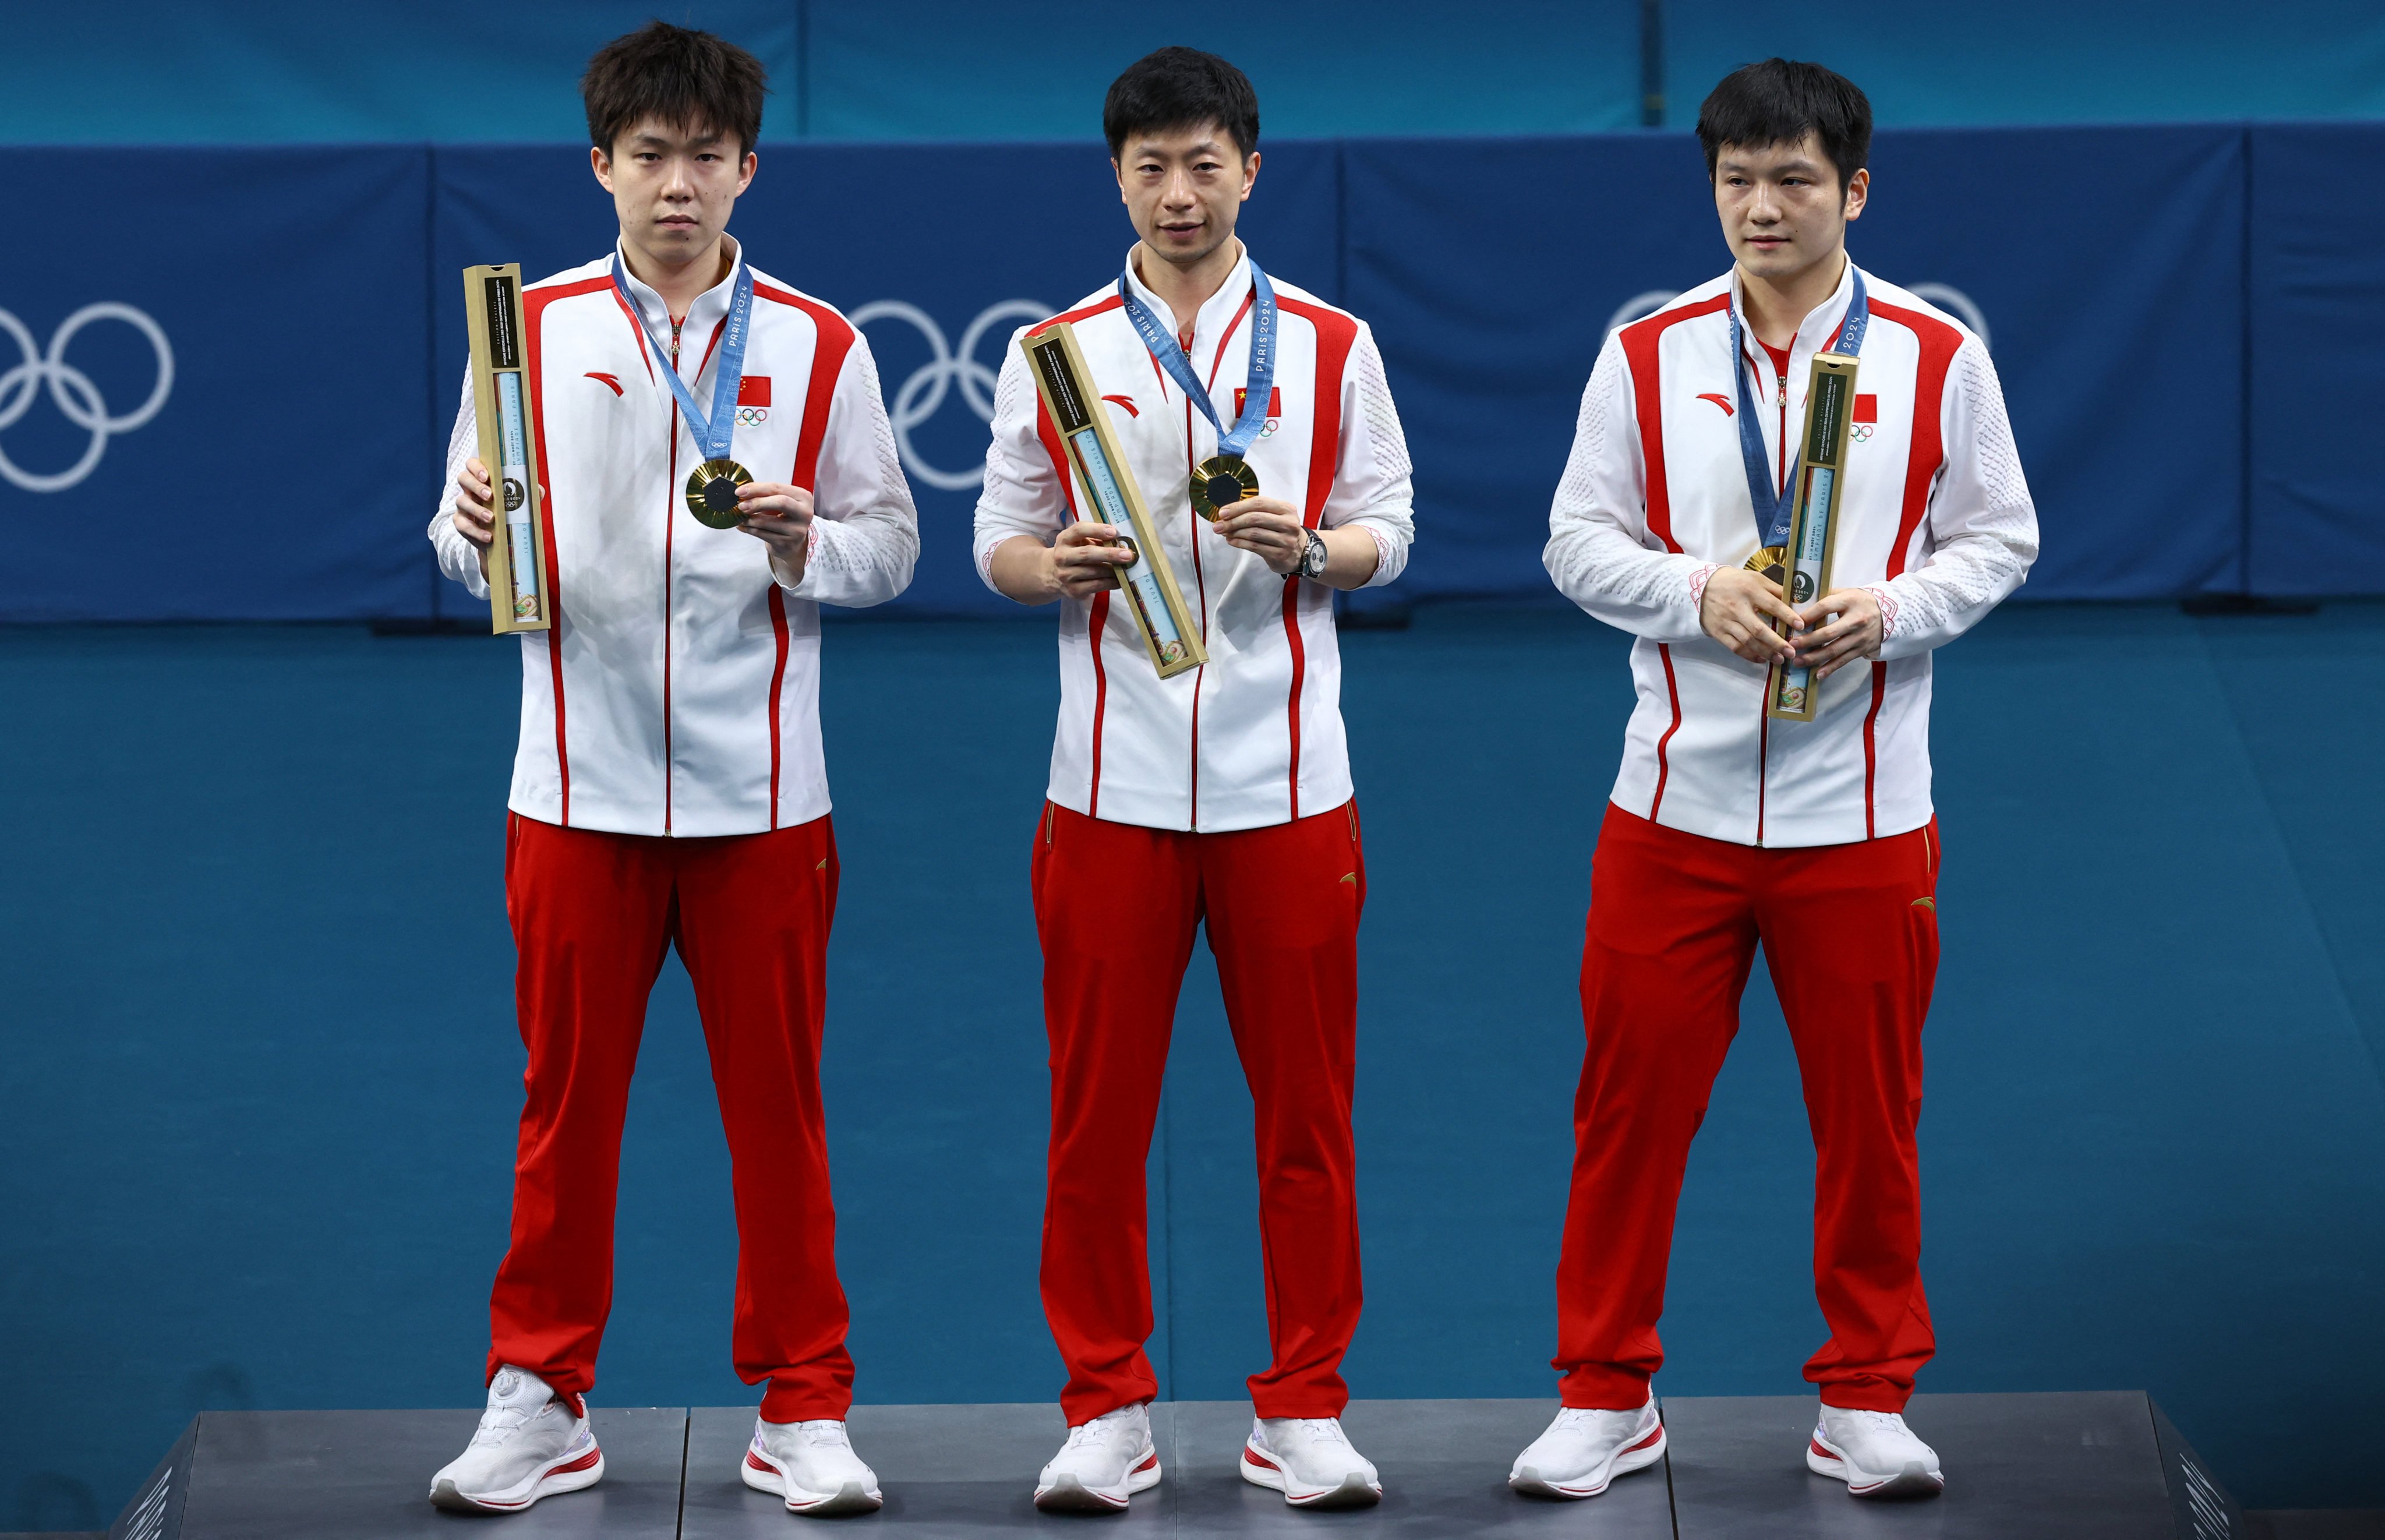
<point>1199,779</point>
<point>1774,784</point>
<point>669,788</point>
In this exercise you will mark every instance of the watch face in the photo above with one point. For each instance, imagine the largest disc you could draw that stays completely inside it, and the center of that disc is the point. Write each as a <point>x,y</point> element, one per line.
<point>1312,558</point>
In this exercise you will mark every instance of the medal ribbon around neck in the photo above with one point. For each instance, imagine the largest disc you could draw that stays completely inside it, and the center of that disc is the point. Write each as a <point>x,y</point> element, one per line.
<point>712,490</point>
<point>1773,505</point>
<point>1228,465</point>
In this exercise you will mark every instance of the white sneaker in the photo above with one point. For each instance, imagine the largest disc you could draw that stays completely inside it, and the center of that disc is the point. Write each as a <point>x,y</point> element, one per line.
<point>1585,1449</point>
<point>812,1465</point>
<point>1310,1462</point>
<point>531,1445</point>
<point>1105,1462</point>
<point>1874,1453</point>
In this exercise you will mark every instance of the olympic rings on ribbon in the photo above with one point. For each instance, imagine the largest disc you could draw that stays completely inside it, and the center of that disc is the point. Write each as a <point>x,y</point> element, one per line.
<point>77,398</point>
<point>923,393</point>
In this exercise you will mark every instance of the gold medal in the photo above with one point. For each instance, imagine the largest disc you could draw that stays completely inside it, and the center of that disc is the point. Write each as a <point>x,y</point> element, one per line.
<point>712,493</point>
<point>1221,481</point>
<point>1772,561</point>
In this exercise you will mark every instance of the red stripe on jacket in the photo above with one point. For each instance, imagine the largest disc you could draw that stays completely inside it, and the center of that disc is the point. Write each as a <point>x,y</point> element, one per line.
<point>645,340</point>
<point>1673,692</point>
<point>1099,306</point>
<point>1336,334</point>
<point>1099,620</point>
<point>1926,453</point>
<point>535,303</point>
<point>1872,751</point>
<point>1640,340</point>
<point>832,342</point>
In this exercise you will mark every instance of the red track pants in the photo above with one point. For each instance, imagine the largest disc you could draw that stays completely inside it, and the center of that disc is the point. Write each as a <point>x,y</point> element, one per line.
<point>1851,932</point>
<point>592,916</point>
<point>1117,905</point>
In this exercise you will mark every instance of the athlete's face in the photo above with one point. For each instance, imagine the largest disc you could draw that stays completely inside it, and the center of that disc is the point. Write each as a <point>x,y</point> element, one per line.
<point>1184,189</point>
<point>1782,209</point>
<point>672,187</point>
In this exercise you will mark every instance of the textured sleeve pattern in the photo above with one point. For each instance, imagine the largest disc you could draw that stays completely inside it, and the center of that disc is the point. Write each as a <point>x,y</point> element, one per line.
<point>1981,533</point>
<point>865,527</point>
<point>1600,553</point>
<point>1372,486</point>
<point>456,556</point>
<point>1022,493</point>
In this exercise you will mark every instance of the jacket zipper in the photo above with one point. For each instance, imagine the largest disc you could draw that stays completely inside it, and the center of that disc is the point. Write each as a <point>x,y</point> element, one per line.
<point>1763,717</point>
<point>1201,583</point>
<point>670,526</point>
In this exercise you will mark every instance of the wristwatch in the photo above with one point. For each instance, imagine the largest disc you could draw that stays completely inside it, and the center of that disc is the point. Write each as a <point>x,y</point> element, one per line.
<point>1312,555</point>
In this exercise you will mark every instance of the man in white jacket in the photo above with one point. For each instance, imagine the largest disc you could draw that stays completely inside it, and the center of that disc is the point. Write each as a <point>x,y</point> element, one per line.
<point>669,789</point>
<point>1219,796</point>
<point>1726,829</point>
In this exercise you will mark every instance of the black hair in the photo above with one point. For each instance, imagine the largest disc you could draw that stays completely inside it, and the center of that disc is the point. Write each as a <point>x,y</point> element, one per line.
<point>1781,101</point>
<point>692,80</point>
<point>1180,88</point>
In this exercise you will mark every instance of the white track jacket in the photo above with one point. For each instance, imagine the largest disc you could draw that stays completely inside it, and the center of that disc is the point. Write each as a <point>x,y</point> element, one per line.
<point>1253,738</point>
<point>1935,520</point>
<point>678,691</point>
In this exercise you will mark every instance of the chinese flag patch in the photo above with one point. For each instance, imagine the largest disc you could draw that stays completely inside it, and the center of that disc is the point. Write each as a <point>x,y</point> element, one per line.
<point>1275,400</point>
<point>1867,408</point>
<point>754,390</point>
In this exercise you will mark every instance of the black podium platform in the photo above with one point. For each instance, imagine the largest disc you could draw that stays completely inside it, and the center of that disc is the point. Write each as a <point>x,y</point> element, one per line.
<point>2105,1465</point>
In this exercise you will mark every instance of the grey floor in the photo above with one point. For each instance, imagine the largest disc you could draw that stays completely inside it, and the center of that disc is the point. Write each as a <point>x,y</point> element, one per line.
<point>969,1471</point>
<point>2049,1467</point>
<point>366,1475</point>
<point>2045,1466</point>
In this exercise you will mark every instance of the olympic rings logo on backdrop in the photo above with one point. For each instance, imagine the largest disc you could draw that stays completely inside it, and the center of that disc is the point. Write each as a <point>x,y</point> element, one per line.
<point>1944,295</point>
<point>76,395</point>
<point>923,393</point>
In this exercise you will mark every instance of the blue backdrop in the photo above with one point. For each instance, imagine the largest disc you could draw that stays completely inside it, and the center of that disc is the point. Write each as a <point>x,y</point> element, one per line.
<point>2178,313</point>
<point>2318,331</point>
<point>281,478</point>
<point>296,71</point>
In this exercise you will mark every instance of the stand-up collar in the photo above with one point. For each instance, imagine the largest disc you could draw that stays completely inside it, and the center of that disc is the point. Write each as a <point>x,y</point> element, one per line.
<point>1814,332</point>
<point>1209,321</point>
<point>710,308</point>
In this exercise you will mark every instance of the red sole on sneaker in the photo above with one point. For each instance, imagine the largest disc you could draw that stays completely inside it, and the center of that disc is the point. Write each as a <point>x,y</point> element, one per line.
<point>1071,1496</point>
<point>576,1475</point>
<point>1355,1491</point>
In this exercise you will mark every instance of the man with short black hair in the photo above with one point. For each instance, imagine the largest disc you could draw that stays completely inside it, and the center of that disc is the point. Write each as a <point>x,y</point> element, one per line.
<point>1727,828</point>
<point>669,789</point>
<point>1219,797</point>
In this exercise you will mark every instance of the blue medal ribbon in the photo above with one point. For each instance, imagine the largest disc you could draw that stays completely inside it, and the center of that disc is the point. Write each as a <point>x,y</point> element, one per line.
<point>1773,505</point>
<point>1258,389</point>
<point>713,431</point>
